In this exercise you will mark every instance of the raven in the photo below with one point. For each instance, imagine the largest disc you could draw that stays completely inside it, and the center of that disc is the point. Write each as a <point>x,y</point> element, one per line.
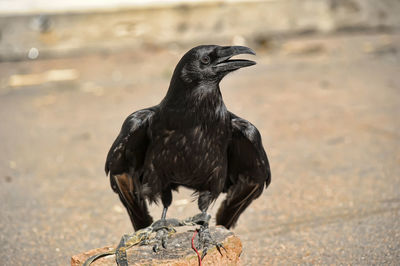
<point>190,139</point>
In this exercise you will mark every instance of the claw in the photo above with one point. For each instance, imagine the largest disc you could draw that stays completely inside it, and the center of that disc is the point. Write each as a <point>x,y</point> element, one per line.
<point>164,242</point>
<point>164,231</point>
<point>219,246</point>
<point>159,238</point>
<point>206,240</point>
<point>204,253</point>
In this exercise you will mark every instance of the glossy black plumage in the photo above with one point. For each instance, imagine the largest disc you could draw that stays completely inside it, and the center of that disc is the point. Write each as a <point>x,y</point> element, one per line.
<point>190,139</point>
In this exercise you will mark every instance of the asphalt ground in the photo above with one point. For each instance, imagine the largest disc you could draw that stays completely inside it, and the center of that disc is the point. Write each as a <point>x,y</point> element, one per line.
<point>328,111</point>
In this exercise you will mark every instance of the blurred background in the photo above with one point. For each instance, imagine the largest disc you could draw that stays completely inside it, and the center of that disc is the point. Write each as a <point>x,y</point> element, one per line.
<point>325,95</point>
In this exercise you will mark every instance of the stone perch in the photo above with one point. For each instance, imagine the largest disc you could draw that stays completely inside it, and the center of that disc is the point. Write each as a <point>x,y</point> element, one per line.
<point>179,251</point>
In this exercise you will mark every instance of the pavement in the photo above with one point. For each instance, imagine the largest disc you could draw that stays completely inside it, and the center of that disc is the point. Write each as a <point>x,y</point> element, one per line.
<point>327,108</point>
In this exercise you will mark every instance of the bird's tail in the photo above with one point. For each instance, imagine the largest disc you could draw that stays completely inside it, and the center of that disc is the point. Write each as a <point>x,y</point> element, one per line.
<point>237,200</point>
<point>136,206</point>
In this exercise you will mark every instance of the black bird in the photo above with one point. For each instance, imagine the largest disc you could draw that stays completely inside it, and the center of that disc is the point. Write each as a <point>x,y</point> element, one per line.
<point>190,139</point>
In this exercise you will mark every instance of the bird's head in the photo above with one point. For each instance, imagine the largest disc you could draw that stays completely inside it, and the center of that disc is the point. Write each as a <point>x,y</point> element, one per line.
<point>210,63</point>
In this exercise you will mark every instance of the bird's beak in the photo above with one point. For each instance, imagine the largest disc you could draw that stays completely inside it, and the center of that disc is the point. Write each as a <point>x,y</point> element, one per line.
<point>223,64</point>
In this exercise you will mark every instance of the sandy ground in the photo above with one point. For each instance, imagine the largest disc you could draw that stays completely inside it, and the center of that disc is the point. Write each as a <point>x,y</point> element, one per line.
<point>328,110</point>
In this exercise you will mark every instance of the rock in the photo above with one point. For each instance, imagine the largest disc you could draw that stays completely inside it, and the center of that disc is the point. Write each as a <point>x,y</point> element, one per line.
<point>179,252</point>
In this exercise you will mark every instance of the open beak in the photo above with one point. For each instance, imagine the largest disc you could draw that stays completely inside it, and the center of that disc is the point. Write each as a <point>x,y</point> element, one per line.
<point>224,64</point>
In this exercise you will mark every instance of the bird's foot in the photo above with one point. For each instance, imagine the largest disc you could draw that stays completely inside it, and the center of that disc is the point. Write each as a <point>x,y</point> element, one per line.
<point>200,219</point>
<point>206,241</point>
<point>163,228</point>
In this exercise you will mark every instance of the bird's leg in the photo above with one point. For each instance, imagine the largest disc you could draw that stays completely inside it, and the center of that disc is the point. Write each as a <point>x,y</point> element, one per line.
<point>205,239</point>
<point>164,227</point>
<point>163,230</point>
<point>204,201</point>
<point>203,219</point>
<point>164,213</point>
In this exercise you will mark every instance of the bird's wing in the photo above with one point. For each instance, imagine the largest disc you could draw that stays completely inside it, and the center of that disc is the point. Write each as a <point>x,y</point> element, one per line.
<point>248,171</point>
<point>125,162</point>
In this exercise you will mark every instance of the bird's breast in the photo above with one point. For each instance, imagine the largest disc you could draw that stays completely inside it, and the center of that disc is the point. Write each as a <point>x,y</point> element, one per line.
<point>190,157</point>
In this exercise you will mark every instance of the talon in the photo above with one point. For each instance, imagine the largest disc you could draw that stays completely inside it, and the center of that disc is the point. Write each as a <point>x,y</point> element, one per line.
<point>164,241</point>
<point>164,229</point>
<point>204,253</point>
<point>219,246</point>
<point>206,241</point>
<point>155,248</point>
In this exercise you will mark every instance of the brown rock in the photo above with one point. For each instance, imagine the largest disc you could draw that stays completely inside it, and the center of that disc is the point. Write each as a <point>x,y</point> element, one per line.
<point>178,253</point>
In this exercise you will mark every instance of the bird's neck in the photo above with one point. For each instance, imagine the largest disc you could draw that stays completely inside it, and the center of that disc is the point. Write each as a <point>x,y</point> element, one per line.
<point>199,103</point>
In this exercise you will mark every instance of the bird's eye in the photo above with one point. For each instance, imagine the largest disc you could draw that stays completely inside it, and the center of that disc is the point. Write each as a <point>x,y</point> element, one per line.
<point>205,60</point>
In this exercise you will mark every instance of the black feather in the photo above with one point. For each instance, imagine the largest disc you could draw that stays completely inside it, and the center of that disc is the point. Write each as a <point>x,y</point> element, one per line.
<point>190,139</point>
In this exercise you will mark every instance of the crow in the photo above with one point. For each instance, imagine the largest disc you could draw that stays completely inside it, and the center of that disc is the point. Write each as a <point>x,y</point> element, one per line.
<point>190,139</point>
